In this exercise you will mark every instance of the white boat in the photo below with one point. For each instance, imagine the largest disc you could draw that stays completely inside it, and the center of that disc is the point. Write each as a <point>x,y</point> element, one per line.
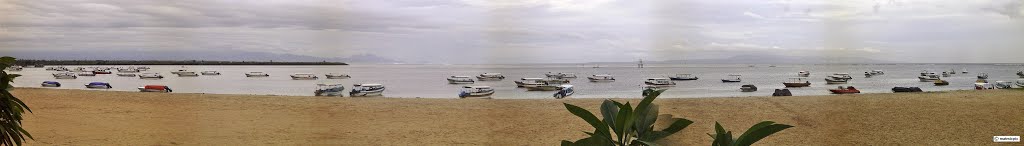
<point>842,76</point>
<point>490,77</point>
<point>732,79</point>
<point>476,91</point>
<point>337,76</point>
<point>460,80</point>
<point>872,73</point>
<point>86,74</point>
<point>560,75</point>
<point>684,77</point>
<point>126,75</point>
<point>14,68</point>
<point>151,76</point>
<point>65,75</point>
<point>187,74</point>
<point>1020,74</point>
<point>946,74</point>
<point>965,71</point>
<point>952,71</point>
<point>362,90</point>
<point>601,78</point>
<point>127,70</point>
<point>983,76</point>
<point>210,73</point>
<point>155,88</point>
<point>797,82</point>
<point>803,74</point>
<point>836,80</point>
<point>1003,85</point>
<point>304,76</point>
<point>1020,83</point>
<point>660,82</point>
<point>564,91</point>
<point>181,71</point>
<point>530,82</point>
<point>329,90</point>
<point>929,77</point>
<point>256,74</point>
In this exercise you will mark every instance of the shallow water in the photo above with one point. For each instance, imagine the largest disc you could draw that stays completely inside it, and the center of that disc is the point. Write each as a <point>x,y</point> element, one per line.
<point>428,81</point>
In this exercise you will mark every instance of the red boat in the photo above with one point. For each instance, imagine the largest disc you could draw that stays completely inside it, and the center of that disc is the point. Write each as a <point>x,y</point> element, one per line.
<point>155,88</point>
<point>847,90</point>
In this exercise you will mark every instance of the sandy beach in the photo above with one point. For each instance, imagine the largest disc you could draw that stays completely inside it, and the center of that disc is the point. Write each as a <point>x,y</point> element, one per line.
<point>79,117</point>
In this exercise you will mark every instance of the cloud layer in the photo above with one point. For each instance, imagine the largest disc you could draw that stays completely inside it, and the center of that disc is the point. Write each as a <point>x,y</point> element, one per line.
<point>524,31</point>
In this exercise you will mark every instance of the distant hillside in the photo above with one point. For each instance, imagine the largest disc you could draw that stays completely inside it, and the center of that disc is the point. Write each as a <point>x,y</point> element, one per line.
<point>223,55</point>
<point>767,59</point>
<point>158,62</point>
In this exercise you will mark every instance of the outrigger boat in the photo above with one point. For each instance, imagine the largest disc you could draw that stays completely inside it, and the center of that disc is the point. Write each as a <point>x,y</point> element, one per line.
<point>126,75</point>
<point>155,88</point>
<point>732,79</point>
<point>836,80</point>
<point>530,82</point>
<point>601,78</point>
<point>304,76</point>
<point>476,91</point>
<point>983,76</point>
<point>50,84</point>
<point>803,74</point>
<point>542,88</point>
<point>187,74</point>
<point>65,75</point>
<point>337,76</point>
<point>797,82</point>
<point>684,77</point>
<point>460,80</point>
<point>490,77</point>
<point>151,76</point>
<point>98,85</point>
<point>210,73</point>
<point>660,82</point>
<point>362,90</point>
<point>564,91</point>
<point>842,76</point>
<point>329,90</point>
<point>257,74</point>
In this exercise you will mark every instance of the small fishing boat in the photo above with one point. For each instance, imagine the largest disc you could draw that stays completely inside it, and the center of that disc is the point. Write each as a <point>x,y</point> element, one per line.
<point>127,70</point>
<point>1020,83</point>
<point>1003,85</point>
<point>983,76</point>
<point>490,77</point>
<point>86,74</point>
<point>180,71</point>
<point>803,74</point>
<point>564,91</point>
<point>836,80</point>
<point>65,75</point>
<point>683,77</point>
<point>782,92</point>
<point>476,91</point>
<point>748,88</point>
<point>210,73</point>
<point>797,82</point>
<point>151,76</point>
<point>873,73</point>
<point>304,76</point>
<point>188,74</point>
<point>842,76</point>
<point>906,89</point>
<point>337,76</point>
<point>98,85</point>
<point>256,74</point>
<point>929,77</point>
<point>102,72</point>
<point>362,90</point>
<point>14,68</point>
<point>984,86</point>
<point>50,84</point>
<point>542,88</point>
<point>660,82</point>
<point>732,79</point>
<point>844,90</point>
<point>560,75</point>
<point>460,80</point>
<point>530,82</point>
<point>1020,74</point>
<point>952,71</point>
<point>601,78</point>
<point>556,81</point>
<point>965,71</point>
<point>155,88</point>
<point>946,74</point>
<point>329,90</point>
<point>126,75</point>
<point>941,82</point>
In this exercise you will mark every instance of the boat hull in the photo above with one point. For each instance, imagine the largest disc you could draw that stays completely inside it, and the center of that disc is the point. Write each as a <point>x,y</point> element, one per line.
<point>477,94</point>
<point>602,80</point>
<point>304,78</point>
<point>682,79</point>
<point>50,85</point>
<point>65,77</point>
<point>338,77</point>
<point>845,91</point>
<point>541,88</point>
<point>522,84</point>
<point>366,93</point>
<point>143,89</point>
<point>98,86</point>
<point>252,76</point>
<point>797,84</point>
<point>731,81</point>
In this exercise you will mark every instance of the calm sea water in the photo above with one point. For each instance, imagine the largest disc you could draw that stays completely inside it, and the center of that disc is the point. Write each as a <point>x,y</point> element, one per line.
<point>428,81</point>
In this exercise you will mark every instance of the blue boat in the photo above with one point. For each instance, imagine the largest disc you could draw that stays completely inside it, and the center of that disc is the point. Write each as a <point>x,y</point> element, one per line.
<point>98,85</point>
<point>51,84</point>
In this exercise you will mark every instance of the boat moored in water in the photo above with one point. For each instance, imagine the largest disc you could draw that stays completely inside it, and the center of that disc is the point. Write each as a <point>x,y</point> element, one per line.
<point>65,75</point>
<point>363,90</point>
<point>180,71</point>
<point>187,74</point>
<point>803,74</point>
<point>151,76</point>
<point>941,82</point>
<point>86,74</point>
<point>126,75</point>
<point>98,85</point>
<point>844,90</point>
<point>476,91</point>
<point>748,88</point>
<point>684,77</point>
<point>304,76</point>
<point>931,77</point>
<point>560,75</point>
<point>530,82</point>
<point>660,82</point>
<point>732,79</point>
<point>601,78</point>
<point>329,90</point>
<point>1020,74</point>
<point>490,77</point>
<point>14,68</point>
<point>50,84</point>
<point>256,74</point>
<point>155,88</point>
<point>210,73</point>
<point>102,72</point>
<point>337,76</point>
<point>460,80</point>
<point>797,82</point>
<point>542,88</point>
<point>983,76</point>
<point>127,70</point>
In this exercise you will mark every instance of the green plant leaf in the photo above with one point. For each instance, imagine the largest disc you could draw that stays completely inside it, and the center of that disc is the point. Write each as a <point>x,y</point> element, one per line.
<point>624,122</point>
<point>760,131</point>
<point>648,143</point>
<point>608,111</point>
<point>678,124</point>
<point>601,127</point>
<point>645,122</point>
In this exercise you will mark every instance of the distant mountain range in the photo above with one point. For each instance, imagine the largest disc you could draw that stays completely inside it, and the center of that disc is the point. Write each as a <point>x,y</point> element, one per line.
<point>182,55</point>
<point>768,59</point>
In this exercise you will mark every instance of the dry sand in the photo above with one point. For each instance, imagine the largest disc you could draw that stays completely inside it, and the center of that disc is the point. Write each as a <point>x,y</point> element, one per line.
<point>77,117</point>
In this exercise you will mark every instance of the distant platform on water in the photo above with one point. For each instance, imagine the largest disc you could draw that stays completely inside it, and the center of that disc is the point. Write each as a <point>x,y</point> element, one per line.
<point>159,62</point>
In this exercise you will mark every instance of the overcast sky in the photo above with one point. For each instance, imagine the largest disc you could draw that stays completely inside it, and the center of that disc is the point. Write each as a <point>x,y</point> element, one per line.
<point>518,31</point>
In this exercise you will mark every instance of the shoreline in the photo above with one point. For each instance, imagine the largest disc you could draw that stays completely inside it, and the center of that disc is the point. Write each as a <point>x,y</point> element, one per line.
<point>84,117</point>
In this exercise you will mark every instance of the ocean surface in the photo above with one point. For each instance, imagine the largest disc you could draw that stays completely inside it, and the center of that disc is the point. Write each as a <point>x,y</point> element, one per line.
<point>428,81</point>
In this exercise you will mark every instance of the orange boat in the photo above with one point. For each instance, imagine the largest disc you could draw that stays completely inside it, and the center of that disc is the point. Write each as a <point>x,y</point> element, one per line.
<point>846,90</point>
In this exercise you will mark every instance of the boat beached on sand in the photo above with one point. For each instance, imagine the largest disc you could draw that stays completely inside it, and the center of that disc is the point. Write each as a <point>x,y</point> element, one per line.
<point>329,90</point>
<point>476,91</point>
<point>304,76</point>
<point>363,90</point>
<point>460,80</point>
<point>50,84</point>
<point>564,91</point>
<point>797,82</point>
<point>98,85</point>
<point>155,88</point>
<point>846,90</point>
